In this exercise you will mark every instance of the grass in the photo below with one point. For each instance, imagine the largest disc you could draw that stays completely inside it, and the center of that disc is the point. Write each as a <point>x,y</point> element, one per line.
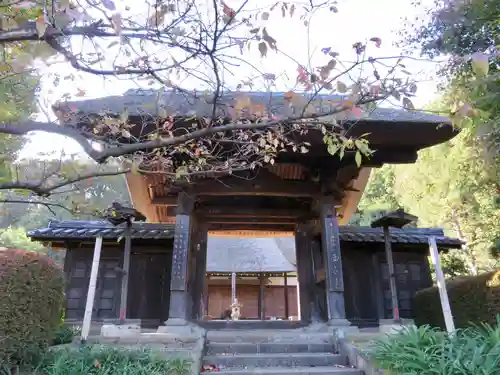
<point>429,351</point>
<point>90,360</point>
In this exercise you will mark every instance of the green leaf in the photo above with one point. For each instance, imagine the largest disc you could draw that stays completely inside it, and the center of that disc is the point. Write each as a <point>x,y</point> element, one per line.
<point>358,158</point>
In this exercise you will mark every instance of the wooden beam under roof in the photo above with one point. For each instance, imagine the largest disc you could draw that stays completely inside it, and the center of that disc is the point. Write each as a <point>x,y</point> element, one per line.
<point>164,201</point>
<point>274,227</point>
<point>260,183</point>
<point>244,212</point>
<point>250,233</point>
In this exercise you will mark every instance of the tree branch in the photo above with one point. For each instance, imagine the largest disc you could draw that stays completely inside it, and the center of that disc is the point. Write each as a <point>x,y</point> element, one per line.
<point>126,149</point>
<point>42,190</point>
<point>46,204</point>
<point>31,126</point>
<point>157,143</point>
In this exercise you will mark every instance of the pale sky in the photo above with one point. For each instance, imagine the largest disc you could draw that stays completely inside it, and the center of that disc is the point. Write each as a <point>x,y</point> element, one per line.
<point>357,20</point>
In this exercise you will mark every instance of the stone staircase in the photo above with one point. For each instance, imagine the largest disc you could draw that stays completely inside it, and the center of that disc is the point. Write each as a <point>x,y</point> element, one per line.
<point>274,352</point>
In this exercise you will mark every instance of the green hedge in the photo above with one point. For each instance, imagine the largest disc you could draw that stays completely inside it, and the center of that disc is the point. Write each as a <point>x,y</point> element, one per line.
<point>31,303</point>
<point>473,299</point>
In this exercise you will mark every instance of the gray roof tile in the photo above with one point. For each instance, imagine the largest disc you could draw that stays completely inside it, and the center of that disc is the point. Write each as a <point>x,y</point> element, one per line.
<point>232,254</point>
<point>151,103</point>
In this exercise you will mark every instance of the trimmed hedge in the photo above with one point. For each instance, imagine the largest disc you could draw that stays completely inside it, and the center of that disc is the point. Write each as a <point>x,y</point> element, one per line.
<point>31,304</point>
<point>473,299</point>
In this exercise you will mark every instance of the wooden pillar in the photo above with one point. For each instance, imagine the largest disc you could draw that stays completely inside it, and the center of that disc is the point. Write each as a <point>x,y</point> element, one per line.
<point>443,293</point>
<point>179,296</point>
<point>392,274</point>
<point>297,287</point>
<point>126,272</point>
<point>305,275</point>
<point>206,295</point>
<point>377,287</point>
<point>89,305</point>
<point>233,287</point>
<point>285,281</point>
<point>262,307</point>
<point>199,235</point>
<point>330,242</point>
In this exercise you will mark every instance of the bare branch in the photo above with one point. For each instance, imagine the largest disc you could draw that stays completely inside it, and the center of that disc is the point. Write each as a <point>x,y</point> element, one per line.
<point>49,127</point>
<point>45,190</point>
<point>48,205</point>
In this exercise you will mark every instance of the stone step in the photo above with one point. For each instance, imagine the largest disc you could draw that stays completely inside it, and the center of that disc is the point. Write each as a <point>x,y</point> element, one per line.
<point>215,348</point>
<point>331,370</point>
<point>262,336</point>
<point>245,361</point>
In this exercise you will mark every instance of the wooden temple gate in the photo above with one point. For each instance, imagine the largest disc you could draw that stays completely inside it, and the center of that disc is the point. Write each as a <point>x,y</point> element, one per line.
<point>258,202</point>
<point>307,194</point>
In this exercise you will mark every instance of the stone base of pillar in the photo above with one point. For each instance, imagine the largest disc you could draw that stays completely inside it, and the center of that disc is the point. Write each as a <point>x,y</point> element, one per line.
<point>126,328</point>
<point>339,323</point>
<point>388,326</point>
<point>181,328</point>
<point>185,331</point>
<point>341,327</point>
<point>337,327</point>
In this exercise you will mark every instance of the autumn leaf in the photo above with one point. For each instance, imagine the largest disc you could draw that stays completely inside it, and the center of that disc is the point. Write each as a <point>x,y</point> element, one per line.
<point>292,10</point>
<point>269,39</point>
<point>263,49</point>
<point>265,16</point>
<point>61,20</point>
<point>117,23</point>
<point>480,63</point>
<point>407,104</point>
<point>288,96</point>
<point>228,11</point>
<point>359,47</point>
<point>341,87</point>
<point>375,90</point>
<point>80,92</point>
<point>356,111</point>
<point>158,16</point>
<point>126,133</point>
<point>109,5</point>
<point>41,26</point>
<point>377,41</point>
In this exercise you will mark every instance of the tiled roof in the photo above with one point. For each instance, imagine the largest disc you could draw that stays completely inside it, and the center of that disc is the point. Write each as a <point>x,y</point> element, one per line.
<point>76,229</point>
<point>233,254</point>
<point>404,235</point>
<point>65,230</point>
<point>151,103</point>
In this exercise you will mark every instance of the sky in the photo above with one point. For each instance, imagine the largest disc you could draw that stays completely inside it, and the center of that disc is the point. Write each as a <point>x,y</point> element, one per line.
<point>356,20</point>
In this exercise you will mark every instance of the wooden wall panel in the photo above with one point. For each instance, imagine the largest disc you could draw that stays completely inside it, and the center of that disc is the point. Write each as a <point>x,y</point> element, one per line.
<point>219,299</point>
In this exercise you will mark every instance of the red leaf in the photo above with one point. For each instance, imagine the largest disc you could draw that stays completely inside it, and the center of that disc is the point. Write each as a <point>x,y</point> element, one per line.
<point>228,11</point>
<point>356,111</point>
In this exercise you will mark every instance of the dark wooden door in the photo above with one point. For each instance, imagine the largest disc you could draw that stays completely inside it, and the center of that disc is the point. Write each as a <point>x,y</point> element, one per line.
<point>411,275</point>
<point>149,287</point>
<point>359,283</point>
<point>107,298</point>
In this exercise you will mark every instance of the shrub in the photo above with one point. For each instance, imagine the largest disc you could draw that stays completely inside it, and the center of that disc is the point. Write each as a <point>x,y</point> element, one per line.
<point>64,335</point>
<point>97,360</point>
<point>427,350</point>
<point>31,303</point>
<point>472,299</point>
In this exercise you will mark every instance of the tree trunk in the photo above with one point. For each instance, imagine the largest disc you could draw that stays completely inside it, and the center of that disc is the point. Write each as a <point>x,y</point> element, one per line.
<point>470,253</point>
